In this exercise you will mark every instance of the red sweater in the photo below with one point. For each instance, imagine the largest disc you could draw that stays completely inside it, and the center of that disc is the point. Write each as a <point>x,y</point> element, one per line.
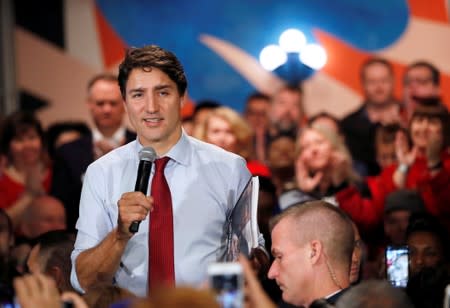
<point>11,190</point>
<point>435,191</point>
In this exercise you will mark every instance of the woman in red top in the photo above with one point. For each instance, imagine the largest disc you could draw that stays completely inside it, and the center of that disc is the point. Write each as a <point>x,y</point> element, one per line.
<point>27,173</point>
<point>424,166</point>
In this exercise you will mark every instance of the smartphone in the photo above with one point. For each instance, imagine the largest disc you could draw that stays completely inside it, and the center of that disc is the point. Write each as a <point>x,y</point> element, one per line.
<point>397,265</point>
<point>227,281</point>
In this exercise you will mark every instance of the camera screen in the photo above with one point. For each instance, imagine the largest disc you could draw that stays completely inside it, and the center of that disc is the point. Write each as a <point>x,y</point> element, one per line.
<point>397,261</point>
<point>228,290</point>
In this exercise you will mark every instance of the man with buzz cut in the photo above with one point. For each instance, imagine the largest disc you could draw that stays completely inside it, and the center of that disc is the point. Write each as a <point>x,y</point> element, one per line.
<point>312,244</point>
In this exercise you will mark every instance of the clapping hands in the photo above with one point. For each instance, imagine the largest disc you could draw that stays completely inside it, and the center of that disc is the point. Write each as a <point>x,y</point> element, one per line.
<point>305,181</point>
<point>405,155</point>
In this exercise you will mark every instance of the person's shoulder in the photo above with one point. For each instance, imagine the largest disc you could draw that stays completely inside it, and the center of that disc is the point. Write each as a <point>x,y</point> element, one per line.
<point>117,156</point>
<point>354,115</point>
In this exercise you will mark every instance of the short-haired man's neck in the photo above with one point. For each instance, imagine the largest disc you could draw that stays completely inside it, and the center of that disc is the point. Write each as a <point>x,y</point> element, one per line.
<point>329,278</point>
<point>164,145</point>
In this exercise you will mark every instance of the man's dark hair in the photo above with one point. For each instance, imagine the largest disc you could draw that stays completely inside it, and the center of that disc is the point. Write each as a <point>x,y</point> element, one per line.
<point>17,124</point>
<point>254,96</point>
<point>55,248</point>
<point>427,223</point>
<point>371,61</point>
<point>149,57</point>
<point>435,74</point>
<point>205,104</point>
<point>103,76</point>
<point>257,95</point>
<point>272,139</point>
<point>292,88</point>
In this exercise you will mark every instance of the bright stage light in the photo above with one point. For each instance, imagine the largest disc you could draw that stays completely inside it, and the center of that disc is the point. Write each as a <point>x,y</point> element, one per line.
<point>314,56</point>
<point>272,56</point>
<point>292,40</point>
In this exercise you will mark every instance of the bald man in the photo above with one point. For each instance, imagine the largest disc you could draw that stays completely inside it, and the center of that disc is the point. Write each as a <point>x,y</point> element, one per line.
<point>312,244</point>
<point>45,213</point>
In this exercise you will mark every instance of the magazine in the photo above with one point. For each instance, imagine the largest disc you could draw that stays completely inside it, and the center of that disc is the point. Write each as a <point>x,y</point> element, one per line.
<point>242,223</point>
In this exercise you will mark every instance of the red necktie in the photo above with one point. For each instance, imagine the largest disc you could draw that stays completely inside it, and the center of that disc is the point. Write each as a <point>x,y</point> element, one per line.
<point>161,265</point>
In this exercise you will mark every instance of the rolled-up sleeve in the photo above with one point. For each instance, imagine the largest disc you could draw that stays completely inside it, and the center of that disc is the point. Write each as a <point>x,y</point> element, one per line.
<point>96,218</point>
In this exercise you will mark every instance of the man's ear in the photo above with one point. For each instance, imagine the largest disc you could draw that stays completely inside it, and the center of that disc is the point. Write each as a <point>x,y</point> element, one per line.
<point>57,275</point>
<point>316,249</point>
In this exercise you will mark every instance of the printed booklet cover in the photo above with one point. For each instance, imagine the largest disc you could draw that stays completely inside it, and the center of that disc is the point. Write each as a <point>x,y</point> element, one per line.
<point>241,229</point>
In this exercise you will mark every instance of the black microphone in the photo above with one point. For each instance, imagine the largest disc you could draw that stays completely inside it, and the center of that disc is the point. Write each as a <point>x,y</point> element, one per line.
<point>147,156</point>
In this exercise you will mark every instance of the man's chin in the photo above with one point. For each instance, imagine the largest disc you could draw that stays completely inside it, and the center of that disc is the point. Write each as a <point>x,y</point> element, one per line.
<point>289,299</point>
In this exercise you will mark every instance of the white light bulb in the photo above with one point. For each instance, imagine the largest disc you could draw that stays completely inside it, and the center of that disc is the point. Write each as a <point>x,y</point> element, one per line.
<point>292,40</point>
<point>314,56</point>
<point>271,57</point>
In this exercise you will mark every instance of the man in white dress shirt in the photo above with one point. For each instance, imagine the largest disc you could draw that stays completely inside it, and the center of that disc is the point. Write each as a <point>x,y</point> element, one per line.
<point>205,183</point>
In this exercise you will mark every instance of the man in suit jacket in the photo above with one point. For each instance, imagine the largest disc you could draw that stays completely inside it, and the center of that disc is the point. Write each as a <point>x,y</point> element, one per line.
<point>105,104</point>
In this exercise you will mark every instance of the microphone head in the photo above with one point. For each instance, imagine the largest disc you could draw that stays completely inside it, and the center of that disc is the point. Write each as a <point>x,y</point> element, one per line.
<point>148,154</point>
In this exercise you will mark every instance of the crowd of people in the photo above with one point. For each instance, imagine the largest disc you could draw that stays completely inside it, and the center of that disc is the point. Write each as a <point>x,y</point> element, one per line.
<point>334,193</point>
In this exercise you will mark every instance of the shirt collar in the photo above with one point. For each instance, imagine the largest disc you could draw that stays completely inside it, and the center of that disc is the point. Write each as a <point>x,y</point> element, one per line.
<point>180,152</point>
<point>332,294</point>
<point>117,139</point>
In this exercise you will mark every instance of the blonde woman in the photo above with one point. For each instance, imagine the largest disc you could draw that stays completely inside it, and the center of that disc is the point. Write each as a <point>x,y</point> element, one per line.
<point>323,162</point>
<point>226,128</point>
<point>322,166</point>
<point>324,170</point>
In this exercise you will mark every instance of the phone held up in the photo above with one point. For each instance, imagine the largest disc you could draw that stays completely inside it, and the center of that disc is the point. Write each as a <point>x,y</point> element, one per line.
<point>397,265</point>
<point>227,281</point>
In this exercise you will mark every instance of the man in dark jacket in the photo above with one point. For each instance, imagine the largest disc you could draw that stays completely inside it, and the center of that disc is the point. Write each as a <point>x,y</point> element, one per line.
<point>105,104</point>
